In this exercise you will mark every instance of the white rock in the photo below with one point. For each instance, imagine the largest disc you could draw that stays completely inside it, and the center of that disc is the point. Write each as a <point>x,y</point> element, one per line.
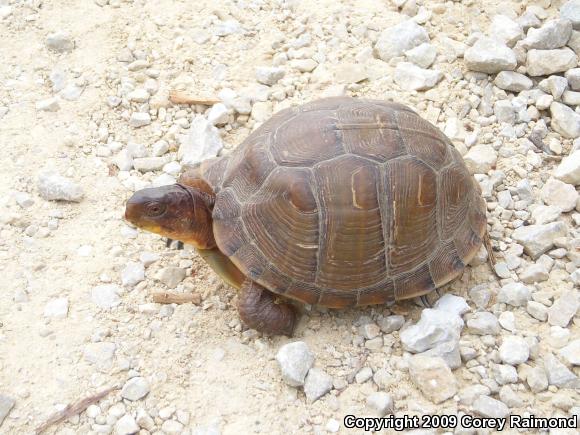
<point>483,323</point>
<point>434,327</point>
<point>410,77</point>
<point>514,350</point>
<point>433,377</point>
<point>317,384</point>
<point>515,294</point>
<point>347,72</point>
<point>149,164</point>
<point>555,85</point>
<point>423,55</point>
<point>564,308</point>
<point>218,114</point>
<point>559,194</point>
<point>135,388</point>
<point>381,403</point>
<point>57,308</point>
<point>396,40</point>
<point>480,159</point>
<point>48,105</point>
<point>60,42</point>
<point>564,120</point>
<point>126,425</point>
<point>132,274</point>
<point>490,56</point>
<point>544,214</point>
<point>171,276</point>
<point>53,187</point>
<point>139,119</point>
<point>571,98</point>
<point>106,296</point>
<point>571,352</point>
<point>557,373</point>
<point>573,78</point>
<point>100,354</point>
<point>201,142</point>
<point>571,11</point>
<point>505,30</point>
<point>448,351</point>
<point>512,81</point>
<point>504,374</point>
<point>507,320</point>
<point>537,379</point>
<point>546,62</point>
<point>568,170</point>
<point>452,304</point>
<point>490,408</point>
<point>391,323</point>
<point>295,359</point>
<point>504,111</point>
<point>139,96</point>
<point>538,239</point>
<point>269,75</point>
<point>172,427</point>
<point>553,34</point>
<point>304,65</point>
<point>532,274</point>
<point>159,148</point>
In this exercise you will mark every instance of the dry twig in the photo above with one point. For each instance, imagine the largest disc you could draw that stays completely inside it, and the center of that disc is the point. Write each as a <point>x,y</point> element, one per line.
<point>176,298</point>
<point>182,97</point>
<point>73,409</point>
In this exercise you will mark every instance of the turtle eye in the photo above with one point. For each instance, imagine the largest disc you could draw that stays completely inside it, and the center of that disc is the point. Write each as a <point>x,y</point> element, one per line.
<point>155,209</point>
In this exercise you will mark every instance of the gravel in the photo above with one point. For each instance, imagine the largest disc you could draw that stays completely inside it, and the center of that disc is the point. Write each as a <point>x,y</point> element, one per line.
<point>490,408</point>
<point>513,81</point>
<point>201,142</point>
<point>559,194</point>
<point>106,296</point>
<point>514,350</point>
<point>571,11</point>
<point>514,294</point>
<point>132,274</point>
<point>56,308</point>
<point>100,354</point>
<point>558,374</point>
<point>568,170</point>
<point>483,323</point>
<point>490,56</point>
<point>410,77</point>
<point>54,187</point>
<point>564,309</point>
<point>381,403</point>
<point>60,42</point>
<point>539,239</point>
<point>135,389</point>
<point>571,353</point>
<point>398,39</point>
<point>433,377</point>
<point>434,327</point>
<point>317,384</point>
<point>269,75</point>
<point>546,62</point>
<point>295,360</point>
<point>6,405</point>
<point>553,34</point>
<point>126,425</point>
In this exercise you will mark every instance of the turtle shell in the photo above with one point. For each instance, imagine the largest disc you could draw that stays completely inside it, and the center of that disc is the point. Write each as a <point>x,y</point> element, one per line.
<point>344,202</point>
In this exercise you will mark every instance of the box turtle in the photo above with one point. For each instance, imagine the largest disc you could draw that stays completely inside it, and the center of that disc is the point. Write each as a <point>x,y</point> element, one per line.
<point>339,202</point>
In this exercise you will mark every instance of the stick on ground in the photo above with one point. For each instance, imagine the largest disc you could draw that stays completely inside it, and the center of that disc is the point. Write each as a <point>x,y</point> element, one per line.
<point>182,97</point>
<point>73,409</point>
<point>176,298</point>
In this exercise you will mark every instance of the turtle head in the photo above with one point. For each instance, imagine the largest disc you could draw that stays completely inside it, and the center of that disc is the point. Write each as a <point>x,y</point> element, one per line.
<point>176,211</point>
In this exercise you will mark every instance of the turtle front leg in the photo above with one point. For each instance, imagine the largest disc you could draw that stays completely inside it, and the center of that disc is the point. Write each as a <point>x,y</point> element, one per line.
<point>258,310</point>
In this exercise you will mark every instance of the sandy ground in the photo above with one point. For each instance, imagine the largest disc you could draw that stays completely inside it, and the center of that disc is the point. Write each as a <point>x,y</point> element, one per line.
<point>198,360</point>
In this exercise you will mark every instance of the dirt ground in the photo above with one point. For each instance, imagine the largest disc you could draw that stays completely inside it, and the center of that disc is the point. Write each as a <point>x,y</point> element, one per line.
<point>203,367</point>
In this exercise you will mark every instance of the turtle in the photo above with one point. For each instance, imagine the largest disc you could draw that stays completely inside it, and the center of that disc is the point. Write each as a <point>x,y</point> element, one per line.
<point>339,202</point>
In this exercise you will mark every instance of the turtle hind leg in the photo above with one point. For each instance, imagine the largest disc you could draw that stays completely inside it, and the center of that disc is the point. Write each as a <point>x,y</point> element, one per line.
<point>258,310</point>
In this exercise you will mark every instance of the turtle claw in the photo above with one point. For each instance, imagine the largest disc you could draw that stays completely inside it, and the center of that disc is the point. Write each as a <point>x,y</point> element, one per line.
<point>178,246</point>
<point>425,301</point>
